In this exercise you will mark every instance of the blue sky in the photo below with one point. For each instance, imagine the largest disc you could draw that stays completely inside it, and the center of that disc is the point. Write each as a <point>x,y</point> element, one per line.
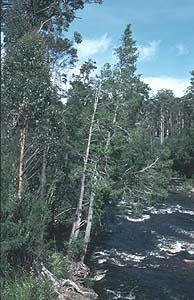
<point>163,31</point>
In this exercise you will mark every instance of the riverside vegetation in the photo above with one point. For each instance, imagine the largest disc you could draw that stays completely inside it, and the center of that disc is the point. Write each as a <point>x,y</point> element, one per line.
<point>63,164</point>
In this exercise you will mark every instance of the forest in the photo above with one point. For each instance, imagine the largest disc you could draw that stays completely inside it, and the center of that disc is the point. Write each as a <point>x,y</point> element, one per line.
<point>64,163</point>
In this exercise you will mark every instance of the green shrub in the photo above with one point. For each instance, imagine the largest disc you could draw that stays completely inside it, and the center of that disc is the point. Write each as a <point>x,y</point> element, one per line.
<point>27,288</point>
<point>58,266</point>
<point>76,248</point>
<point>188,184</point>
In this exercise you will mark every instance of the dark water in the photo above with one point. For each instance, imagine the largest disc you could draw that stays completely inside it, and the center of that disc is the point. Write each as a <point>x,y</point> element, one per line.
<point>143,258</point>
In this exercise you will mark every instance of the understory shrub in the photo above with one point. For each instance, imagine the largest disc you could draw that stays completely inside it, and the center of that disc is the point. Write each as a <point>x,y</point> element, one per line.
<point>58,266</point>
<point>27,287</point>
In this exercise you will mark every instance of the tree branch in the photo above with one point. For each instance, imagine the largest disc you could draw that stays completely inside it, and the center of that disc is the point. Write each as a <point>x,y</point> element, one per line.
<point>148,167</point>
<point>123,129</point>
<point>42,25</point>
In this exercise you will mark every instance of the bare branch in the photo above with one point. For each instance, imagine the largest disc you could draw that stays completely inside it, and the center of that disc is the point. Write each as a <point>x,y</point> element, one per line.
<point>148,167</point>
<point>81,224</point>
<point>32,175</point>
<point>64,211</point>
<point>123,129</point>
<point>42,25</point>
<point>31,156</point>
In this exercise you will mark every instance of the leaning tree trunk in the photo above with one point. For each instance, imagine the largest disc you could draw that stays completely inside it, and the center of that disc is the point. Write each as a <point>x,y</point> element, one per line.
<point>89,224</point>
<point>21,162</point>
<point>109,132</point>
<point>109,136</point>
<point>92,195</point>
<point>77,223</point>
<point>170,124</point>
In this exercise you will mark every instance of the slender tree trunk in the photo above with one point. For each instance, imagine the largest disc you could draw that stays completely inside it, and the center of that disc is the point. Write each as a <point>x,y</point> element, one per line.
<point>161,127</point>
<point>21,162</point>
<point>151,138</point>
<point>113,123</point>
<point>170,123</point>
<point>182,122</point>
<point>43,174</point>
<point>76,225</point>
<point>167,124</point>
<point>67,154</point>
<point>92,195</point>
<point>89,224</point>
<point>66,159</point>
<point>109,136</point>
<point>179,121</point>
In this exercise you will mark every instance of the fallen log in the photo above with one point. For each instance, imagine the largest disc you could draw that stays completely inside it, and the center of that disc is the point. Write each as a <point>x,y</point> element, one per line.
<point>64,287</point>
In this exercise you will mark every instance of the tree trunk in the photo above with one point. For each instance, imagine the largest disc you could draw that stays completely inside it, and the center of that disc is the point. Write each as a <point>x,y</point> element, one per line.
<point>179,121</point>
<point>21,162</point>
<point>170,124</point>
<point>89,224</point>
<point>113,123</point>
<point>109,136</point>
<point>161,127</point>
<point>76,225</point>
<point>92,195</point>
<point>182,122</point>
<point>66,159</point>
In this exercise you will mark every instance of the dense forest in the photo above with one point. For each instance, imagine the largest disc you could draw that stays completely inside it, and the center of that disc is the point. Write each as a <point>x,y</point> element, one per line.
<point>62,163</point>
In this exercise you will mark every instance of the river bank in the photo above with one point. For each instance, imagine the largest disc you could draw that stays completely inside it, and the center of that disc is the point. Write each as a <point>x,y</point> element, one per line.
<point>181,185</point>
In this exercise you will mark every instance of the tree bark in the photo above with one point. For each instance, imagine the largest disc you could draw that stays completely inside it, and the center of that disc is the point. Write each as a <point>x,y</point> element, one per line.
<point>113,123</point>
<point>161,126</point>
<point>76,225</point>
<point>89,223</point>
<point>170,124</point>
<point>21,163</point>
<point>92,195</point>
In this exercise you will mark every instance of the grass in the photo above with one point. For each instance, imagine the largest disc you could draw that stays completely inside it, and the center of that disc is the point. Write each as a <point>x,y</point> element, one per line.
<point>27,287</point>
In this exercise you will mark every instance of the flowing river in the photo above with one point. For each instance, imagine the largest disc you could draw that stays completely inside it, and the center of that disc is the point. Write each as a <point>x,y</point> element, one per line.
<point>147,258</point>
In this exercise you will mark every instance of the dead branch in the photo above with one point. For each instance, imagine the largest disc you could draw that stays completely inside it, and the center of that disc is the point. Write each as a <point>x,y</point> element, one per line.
<point>147,167</point>
<point>68,209</point>
<point>123,129</point>
<point>63,285</point>
<point>30,177</point>
<point>42,25</point>
<point>81,224</point>
<point>31,159</point>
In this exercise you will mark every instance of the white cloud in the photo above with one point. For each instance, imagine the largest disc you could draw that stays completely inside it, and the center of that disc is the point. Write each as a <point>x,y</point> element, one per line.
<point>89,47</point>
<point>149,51</point>
<point>181,49</point>
<point>177,85</point>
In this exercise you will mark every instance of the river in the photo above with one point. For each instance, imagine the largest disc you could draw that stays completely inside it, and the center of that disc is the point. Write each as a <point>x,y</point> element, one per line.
<point>147,258</point>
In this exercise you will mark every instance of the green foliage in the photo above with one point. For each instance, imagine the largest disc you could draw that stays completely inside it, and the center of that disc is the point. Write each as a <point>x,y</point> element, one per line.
<point>88,282</point>
<point>58,266</point>
<point>51,18</point>
<point>26,79</point>
<point>75,249</point>
<point>188,184</point>
<point>24,237</point>
<point>127,53</point>
<point>27,287</point>
<point>182,149</point>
